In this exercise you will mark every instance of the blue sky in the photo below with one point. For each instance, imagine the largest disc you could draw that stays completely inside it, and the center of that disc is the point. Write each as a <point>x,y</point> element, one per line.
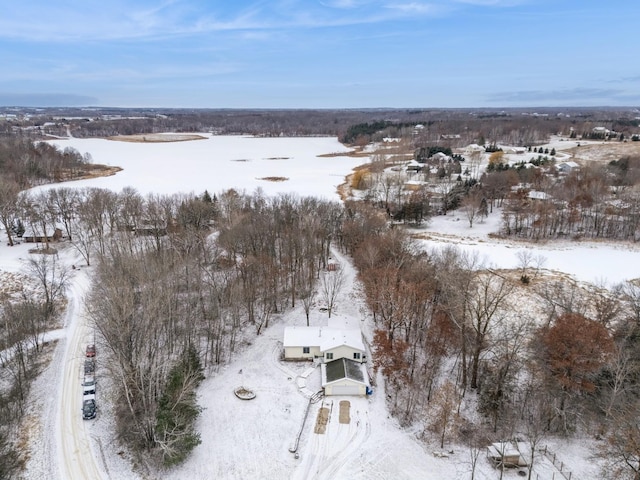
<point>320,54</point>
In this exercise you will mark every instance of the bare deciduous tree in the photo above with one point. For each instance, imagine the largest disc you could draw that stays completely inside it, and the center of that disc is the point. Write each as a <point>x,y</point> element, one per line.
<point>8,201</point>
<point>331,284</point>
<point>442,411</point>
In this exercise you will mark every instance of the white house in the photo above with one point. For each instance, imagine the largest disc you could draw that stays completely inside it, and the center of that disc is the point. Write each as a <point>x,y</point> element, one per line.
<point>473,149</point>
<point>537,195</point>
<point>344,377</point>
<point>566,167</point>
<point>440,157</point>
<point>325,343</point>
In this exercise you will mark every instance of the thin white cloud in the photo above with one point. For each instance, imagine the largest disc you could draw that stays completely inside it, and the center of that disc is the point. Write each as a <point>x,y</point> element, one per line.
<point>414,7</point>
<point>120,20</point>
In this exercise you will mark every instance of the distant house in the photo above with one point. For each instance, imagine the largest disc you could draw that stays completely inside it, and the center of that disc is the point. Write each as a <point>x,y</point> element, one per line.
<point>344,377</point>
<point>440,157</point>
<point>151,230</point>
<point>417,129</point>
<point>414,166</point>
<point>536,195</point>
<point>516,150</point>
<point>323,343</point>
<point>473,149</point>
<point>566,167</point>
<point>31,236</point>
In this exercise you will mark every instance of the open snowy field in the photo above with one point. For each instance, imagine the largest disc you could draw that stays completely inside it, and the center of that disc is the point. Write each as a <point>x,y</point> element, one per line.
<point>251,439</point>
<point>605,263</point>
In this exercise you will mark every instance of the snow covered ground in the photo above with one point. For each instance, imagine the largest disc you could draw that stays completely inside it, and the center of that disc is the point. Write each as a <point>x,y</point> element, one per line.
<point>251,439</point>
<point>594,262</point>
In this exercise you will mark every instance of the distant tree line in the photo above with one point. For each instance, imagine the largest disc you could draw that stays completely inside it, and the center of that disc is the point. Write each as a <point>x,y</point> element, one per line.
<point>27,163</point>
<point>456,127</point>
<point>591,202</point>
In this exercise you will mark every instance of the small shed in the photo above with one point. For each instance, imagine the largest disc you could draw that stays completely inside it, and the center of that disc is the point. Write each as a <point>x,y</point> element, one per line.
<point>31,236</point>
<point>566,167</point>
<point>507,454</point>
<point>537,195</point>
<point>344,377</point>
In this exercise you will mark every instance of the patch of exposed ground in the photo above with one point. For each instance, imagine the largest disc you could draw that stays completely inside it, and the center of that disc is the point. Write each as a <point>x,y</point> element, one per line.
<point>604,152</point>
<point>11,284</point>
<point>356,153</point>
<point>86,172</point>
<point>278,158</point>
<point>156,138</point>
<point>274,179</point>
<point>345,407</point>
<point>321,421</point>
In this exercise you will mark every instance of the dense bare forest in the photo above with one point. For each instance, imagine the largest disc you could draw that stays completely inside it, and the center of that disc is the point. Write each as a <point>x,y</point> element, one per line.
<point>534,356</point>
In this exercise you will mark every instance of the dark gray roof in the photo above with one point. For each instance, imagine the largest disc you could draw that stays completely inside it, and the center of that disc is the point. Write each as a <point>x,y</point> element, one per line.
<point>344,368</point>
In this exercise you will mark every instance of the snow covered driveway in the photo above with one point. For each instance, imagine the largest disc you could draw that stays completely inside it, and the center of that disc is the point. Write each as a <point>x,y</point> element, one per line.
<point>77,460</point>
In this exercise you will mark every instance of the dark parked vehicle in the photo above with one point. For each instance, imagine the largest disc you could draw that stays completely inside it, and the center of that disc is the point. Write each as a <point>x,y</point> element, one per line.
<point>89,367</point>
<point>90,351</point>
<point>89,408</point>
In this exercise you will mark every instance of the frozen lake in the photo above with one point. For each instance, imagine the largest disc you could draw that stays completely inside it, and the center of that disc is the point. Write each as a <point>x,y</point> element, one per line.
<point>221,162</point>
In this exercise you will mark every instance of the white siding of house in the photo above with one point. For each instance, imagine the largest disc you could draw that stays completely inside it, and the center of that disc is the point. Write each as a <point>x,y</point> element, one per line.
<point>296,353</point>
<point>343,351</point>
<point>345,387</point>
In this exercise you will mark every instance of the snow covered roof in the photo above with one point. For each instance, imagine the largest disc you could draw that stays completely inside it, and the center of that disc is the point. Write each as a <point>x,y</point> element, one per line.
<point>474,147</point>
<point>570,164</point>
<point>536,195</point>
<point>508,452</point>
<point>440,156</point>
<point>301,336</point>
<point>503,449</point>
<point>324,337</point>
<point>331,338</point>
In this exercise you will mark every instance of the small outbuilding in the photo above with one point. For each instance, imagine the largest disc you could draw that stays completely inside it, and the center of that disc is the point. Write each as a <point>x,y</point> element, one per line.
<point>31,236</point>
<point>566,167</point>
<point>506,454</point>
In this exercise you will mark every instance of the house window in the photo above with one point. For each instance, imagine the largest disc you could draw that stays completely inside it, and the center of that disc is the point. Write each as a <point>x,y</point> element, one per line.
<point>329,356</point>
<point>306,349</point>
<point>356,355</point>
